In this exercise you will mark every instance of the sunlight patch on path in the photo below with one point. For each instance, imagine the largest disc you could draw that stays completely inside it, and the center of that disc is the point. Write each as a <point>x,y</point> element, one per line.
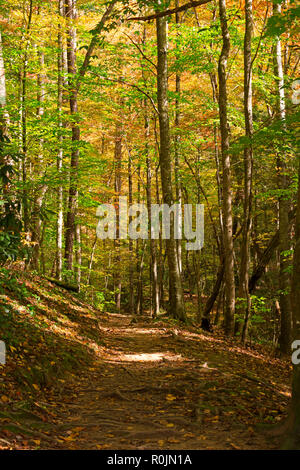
<point>148,357</point>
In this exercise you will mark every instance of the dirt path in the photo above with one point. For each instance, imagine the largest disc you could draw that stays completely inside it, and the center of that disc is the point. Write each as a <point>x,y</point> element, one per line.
<point>164,388</point>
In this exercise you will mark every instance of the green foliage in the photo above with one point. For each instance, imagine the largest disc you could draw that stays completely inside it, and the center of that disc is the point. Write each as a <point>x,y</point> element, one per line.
<point>279,24</point>
<point>259,305</point>
<point>9,246</point>
<point>10,224</point>
<point>8,281</point>
<point>104,301</point>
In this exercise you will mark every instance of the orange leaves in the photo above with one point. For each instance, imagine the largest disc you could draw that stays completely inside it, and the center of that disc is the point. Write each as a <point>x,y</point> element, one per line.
<point>170,397</point>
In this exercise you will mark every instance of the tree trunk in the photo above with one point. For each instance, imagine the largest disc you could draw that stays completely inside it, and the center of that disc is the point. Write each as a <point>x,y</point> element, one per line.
<point>243,292</point>
<point>70,12</point>
<point>160,256</point>
<point>284,207</point>
<point>36,222</point>
<point>23,78</point>
<point>139,308</point>
<point>176,300</point>
<point>74,83</point>
<point>153,250</point>
<point>131,266</point>
<point>78,255</point>
<point>4,117</point>
<point>88,280</point>
<point>226,183</point>
<point>60,91</point>
<point>9,206</point>
<point>139,258</point>
<point>118,187</point>
<point>177,146</point>
<point>293,434</point>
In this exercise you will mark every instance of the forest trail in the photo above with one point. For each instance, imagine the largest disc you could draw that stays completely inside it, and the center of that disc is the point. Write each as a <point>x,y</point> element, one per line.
<point>77,378</point>
<point>169,388</point>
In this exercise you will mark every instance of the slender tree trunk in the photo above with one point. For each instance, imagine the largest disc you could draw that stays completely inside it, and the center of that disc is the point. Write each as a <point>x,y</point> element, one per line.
<point>118,187</point>
<point>4,117</point>
<point>73,85</point>
<point>153,251</point>
<point>131,266</point>
<point>177,146</point>
<point>196,263</point>
<point>139,306</point>
<point>218,309</point>
<point>25,199</point>
<point>161,264</point>
<point>25,203</point>
<point>60,91</point>
<point>226,183</point>
<point>36,221</point>
<point>220,273</point>
<point>176,300</point>
<point>243,292</point>
<point>78,255</point>
<point>88,280</point>
<point>284,207</point>
<point>70,12</point>
<point>153,274</point>
<point>293,431</point>
<point>10,207</point>
<point>42,257</point>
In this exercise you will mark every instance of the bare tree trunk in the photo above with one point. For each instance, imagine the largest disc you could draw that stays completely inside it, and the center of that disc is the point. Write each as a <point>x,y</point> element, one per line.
<point>70,13</point>
<point>177,148</point>
<point>219,304</point>
<point>139,259</point>
<point>226,164</point>
<point>24,150</point>
<point>160,258</point>
<point>35,221</point>
<point>74,83</point>
<point>78,255</point>
<point>25,204</point>
<point>60,90</point>
<point>176,300</point>
<point>153,251</point>
<point>196,264</point>
<point>118,184</point>
<point>131,266</point>
<point>9,206</point>
<point>23,77</point>
<point>4,117</point>
<point>36,224</point>
<point>42,257</point>
<point>139,307</point>
<point>293,431</point>
<point>154,284</point>
<point>220,273</point>
<point>243,292</point>
<point>88,280</point>
<point>284,207</point>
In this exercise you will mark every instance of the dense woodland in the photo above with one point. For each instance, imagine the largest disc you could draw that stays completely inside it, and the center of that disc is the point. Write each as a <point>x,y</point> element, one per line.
<point>165,101</point>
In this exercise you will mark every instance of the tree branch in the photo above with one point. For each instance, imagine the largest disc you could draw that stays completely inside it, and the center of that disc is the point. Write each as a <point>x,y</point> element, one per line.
<point>142,53</point>
<point>131,85</point>
<point>96,31</point>
<point>170,11</point>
